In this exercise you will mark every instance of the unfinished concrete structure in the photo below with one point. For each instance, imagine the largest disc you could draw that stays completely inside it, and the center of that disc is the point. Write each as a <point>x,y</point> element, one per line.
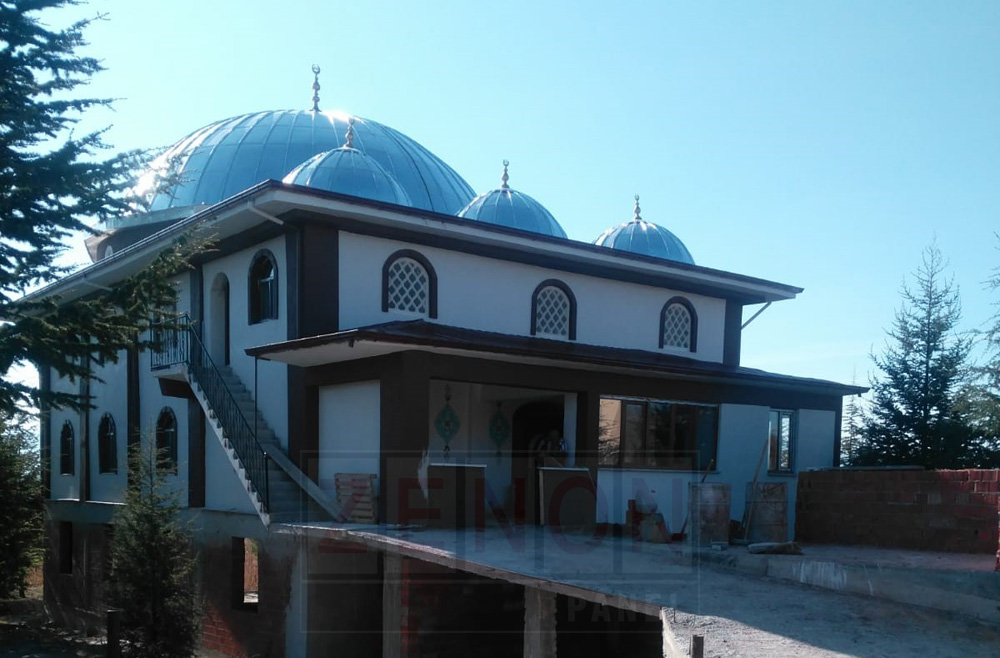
<point>475,383</point>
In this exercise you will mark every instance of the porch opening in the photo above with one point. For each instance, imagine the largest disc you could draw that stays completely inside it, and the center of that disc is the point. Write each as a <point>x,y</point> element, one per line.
<point>591,630</point>
<point>489,442</point>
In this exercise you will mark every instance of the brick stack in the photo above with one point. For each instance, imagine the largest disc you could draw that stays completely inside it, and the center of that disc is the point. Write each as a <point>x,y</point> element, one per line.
<point>954,511</point>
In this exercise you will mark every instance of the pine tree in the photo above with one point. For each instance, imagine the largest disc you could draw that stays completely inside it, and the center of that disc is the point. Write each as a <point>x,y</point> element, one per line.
<point>980,400</point>
<point>151,574</point>
<point>851,432</point>
<point>913,417</point>
<point>20,504</point>
<point>54,185</point>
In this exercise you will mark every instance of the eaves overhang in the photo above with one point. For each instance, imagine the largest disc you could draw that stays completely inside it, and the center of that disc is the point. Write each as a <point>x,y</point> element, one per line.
<point>275,199</point>
<point>390,337</point>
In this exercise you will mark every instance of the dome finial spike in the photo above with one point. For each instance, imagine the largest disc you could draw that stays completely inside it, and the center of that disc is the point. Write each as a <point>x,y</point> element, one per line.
<point>350,134</point>
<point>504,178</point>
<point>637,210</point>
<point>315,98</point>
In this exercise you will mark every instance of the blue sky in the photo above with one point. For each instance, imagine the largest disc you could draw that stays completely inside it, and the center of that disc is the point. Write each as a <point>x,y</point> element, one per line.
<point>820,144</point>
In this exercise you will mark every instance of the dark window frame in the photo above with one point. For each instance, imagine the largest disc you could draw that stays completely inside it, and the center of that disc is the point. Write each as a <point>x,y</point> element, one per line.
<point>432,280</point>
<point>648,450</point>
<point>693,340</point>
<point>554,283</point>
<point>107,444</point>
<point>67,449</point>
<point>164,439</point>
<point>258,309</point>
<point>774,466</point>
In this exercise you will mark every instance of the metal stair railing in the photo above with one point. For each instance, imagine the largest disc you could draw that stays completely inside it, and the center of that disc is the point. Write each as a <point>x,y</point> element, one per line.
<point>186,346</point>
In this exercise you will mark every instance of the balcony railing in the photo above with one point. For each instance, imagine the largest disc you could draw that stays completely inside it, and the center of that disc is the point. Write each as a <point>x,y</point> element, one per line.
<point>170,343</point>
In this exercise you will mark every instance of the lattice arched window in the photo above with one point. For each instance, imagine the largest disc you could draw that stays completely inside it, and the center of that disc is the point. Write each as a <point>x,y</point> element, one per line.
<point>263,287</point>
<point>107,445</point>
<point>679,325</point>
<point>67,443</point>
<point>166,440</point>
<point>553,310</point>
<point>409,284</point>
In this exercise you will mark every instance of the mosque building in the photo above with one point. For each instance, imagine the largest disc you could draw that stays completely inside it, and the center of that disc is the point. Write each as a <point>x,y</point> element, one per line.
<point>377,361</point>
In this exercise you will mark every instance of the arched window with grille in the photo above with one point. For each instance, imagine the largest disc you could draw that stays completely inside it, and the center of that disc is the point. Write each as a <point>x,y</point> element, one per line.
<point>67,448</point>
<point>679,325</point>
<point>166,440</point>
<point>553,310</point>
<point>263,287</point>
<point>409,284</point>
<point>107,445</point>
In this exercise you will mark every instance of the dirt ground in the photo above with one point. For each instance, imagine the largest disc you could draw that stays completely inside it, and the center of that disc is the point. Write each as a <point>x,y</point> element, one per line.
<point>741,616</point>
<point>26,633</point>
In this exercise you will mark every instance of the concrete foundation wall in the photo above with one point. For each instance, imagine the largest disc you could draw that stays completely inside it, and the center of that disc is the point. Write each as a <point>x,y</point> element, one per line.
<point>340,599</point>
<point>924,510</point>
<point>76,597</point>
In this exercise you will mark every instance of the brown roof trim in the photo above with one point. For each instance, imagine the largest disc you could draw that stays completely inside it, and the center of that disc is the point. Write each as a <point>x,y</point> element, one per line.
<point>429,334</point>
<point>538,237</point>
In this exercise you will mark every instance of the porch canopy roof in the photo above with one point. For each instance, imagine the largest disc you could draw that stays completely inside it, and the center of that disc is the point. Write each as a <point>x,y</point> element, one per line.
<point>380,339</point>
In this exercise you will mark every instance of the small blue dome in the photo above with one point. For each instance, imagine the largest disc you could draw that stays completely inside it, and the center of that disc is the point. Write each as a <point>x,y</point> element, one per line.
<point>349,171</point>
<point>506,207</point>
<point>641,237</point>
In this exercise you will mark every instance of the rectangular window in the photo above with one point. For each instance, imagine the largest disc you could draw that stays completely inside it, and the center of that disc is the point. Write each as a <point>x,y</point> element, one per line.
<point>246,573</point>
<point>660,434</point>
<point>780,439</point>
<point>65,547</point>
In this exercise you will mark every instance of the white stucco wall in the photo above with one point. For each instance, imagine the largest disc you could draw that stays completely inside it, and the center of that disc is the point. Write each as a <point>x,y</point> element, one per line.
<point>272,378</point>
<point>110,396</point>
<point>609,313</point>
<point>743,431</point>
<point>64,486</point>
<point>349,430</point>
<point>223,489</point>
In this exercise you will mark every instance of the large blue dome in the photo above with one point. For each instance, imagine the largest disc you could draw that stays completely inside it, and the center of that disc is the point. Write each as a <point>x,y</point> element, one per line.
<point>349,171</point>
<point>641,237</point>
<point>506,207</point>
<point>229,156</point>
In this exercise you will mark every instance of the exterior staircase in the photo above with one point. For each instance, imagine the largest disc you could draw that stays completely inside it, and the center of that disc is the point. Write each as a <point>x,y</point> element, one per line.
<point>291,499</point>
<point>278,490</point>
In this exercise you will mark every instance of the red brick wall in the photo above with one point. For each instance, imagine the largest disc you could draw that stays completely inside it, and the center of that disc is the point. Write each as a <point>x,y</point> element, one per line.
<point>235,630</point>
<point>953,511</point>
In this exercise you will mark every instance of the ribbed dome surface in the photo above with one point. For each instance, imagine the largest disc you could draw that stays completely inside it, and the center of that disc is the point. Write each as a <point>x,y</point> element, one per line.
<point>641,237</point>
<point>229,156</point>
<point>349,171</point>
<point>513,209</point>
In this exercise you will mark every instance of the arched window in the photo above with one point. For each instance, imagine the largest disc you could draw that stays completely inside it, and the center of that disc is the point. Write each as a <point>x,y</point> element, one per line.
<point>166,440</point>
<point>679,325</point>
<point>409,284</point>
<point>107,445</point>
<point>66,449</point>
<point>553,310</point>
<point>263,302</point>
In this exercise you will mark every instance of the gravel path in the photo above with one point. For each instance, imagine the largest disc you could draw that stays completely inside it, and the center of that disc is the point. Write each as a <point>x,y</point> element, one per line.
<point>743,616</point>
